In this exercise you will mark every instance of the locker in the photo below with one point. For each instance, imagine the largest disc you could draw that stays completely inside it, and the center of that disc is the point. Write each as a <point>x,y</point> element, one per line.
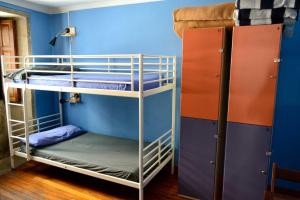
<point>197,157</point>
<point>203,110</point>
<point>252,92</point>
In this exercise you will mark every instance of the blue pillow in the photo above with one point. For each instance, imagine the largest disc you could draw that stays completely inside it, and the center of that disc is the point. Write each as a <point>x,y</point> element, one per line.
<point>54,136</point>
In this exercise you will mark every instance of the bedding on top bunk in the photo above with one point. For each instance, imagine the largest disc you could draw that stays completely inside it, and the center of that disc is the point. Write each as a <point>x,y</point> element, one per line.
<point>20,74</point>
<point>108,155</point>
<point>100,77</point>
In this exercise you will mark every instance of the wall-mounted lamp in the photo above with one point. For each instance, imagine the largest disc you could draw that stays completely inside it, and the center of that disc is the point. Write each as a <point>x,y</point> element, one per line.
<point>68,32</point>
<point>74,98</point>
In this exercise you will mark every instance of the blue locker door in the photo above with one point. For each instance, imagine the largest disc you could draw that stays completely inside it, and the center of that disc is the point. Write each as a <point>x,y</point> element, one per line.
<point>197,157</point>
<point>246,161</point>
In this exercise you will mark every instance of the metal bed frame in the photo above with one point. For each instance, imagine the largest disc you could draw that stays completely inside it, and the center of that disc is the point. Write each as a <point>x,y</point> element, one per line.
<point>159,152</point>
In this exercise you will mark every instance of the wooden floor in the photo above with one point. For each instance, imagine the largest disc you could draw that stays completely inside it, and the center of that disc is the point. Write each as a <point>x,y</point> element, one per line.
<point>38,181</point>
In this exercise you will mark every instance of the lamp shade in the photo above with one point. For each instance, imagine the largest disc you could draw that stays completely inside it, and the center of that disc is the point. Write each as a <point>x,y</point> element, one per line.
<point>53,41</point>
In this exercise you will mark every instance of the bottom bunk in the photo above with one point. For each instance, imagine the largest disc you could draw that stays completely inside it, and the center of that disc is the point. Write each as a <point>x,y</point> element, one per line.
<point>110,158</point>
<point>108,155</point>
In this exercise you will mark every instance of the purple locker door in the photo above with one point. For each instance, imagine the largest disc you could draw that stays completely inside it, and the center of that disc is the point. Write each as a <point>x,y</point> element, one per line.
<point>197,157</point>
<point>246,161</point>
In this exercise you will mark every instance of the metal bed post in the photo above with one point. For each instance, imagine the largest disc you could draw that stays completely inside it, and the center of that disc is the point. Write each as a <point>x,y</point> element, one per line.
<point>25,65</point>
<point>160,71</point>
<point>132,73</point>
<point>25,111</point>
<point>25,116</point>
<point>141,129</point>
<point>60,109</point>
<point>38,125</point>
<point>108,66</point>
<point>33,61</point>
<point>173,113</point>
<point>60,104</point>
<point>72,71</point>
<point>168,73</point>
<point>8,115</point>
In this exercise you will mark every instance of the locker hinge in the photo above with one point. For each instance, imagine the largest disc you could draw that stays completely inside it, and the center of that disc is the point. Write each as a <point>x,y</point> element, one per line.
<point>216,136</point>
<point>221,50</point>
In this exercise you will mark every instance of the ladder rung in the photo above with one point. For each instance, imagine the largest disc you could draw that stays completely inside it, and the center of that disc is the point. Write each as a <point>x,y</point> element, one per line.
<point>17,137</point>
<point>16,104</point>
<point>13,125</point>
<point>18,130</point>
<point>22,134</point>
<point>17,121</point>
<point>18,142</point>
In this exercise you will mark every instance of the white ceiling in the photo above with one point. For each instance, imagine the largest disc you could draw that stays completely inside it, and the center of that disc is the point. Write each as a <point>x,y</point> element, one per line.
<point>59,3</point>
<point>61,6</point>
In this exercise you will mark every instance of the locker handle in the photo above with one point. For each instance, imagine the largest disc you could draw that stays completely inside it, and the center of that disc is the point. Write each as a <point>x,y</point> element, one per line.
<point>277,60</point>
<point>272,77</point>
<point>212,162</point>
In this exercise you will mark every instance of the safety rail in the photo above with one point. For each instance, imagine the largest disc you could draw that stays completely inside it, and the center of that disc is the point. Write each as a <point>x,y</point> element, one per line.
<point>127,66</point>
<point>156,153</point>
<point>17,127</point>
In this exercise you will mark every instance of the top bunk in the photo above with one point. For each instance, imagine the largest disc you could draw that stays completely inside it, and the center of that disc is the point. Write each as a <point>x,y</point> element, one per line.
<point>130,75</point>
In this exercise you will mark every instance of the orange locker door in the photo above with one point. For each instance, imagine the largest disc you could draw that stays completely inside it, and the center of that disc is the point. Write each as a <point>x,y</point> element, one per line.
<point>201,71</point>
<point>253,76</point>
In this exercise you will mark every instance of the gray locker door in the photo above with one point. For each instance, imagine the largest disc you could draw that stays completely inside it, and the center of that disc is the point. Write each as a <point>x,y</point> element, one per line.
<point>246,161</point>
<point>197,157</point>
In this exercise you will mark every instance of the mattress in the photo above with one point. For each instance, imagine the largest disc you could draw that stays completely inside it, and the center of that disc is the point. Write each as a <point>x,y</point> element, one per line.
<point>108,155</point>
<point>42,80</point>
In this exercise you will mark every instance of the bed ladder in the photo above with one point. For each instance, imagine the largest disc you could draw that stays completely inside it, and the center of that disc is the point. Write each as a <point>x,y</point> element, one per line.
<point>17,129</point>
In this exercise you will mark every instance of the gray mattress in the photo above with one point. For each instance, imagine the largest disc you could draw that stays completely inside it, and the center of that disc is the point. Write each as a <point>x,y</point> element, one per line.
<point>99,153</point>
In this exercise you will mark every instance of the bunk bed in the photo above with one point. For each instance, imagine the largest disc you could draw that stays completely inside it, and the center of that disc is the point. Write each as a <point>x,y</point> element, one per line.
<point>128,162</point>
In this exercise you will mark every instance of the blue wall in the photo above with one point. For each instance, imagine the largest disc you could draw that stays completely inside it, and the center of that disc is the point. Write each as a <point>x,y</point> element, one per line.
<point>286,137</point>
